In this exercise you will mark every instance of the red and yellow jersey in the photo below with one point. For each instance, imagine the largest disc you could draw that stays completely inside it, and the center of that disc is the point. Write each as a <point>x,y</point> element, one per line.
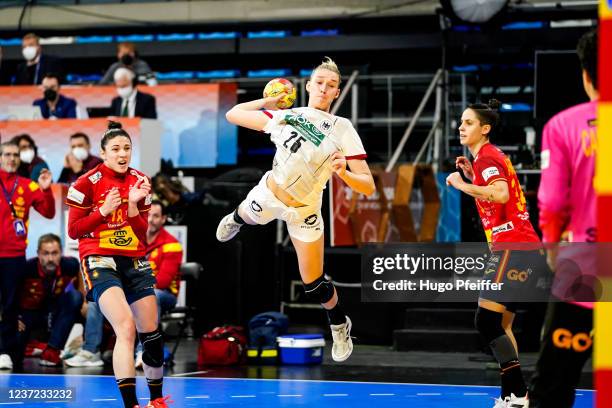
<point>26,194</point>
<point>165,254</point>
<point>507,222</point>
<point>113,235</point>
<point>38,289</point>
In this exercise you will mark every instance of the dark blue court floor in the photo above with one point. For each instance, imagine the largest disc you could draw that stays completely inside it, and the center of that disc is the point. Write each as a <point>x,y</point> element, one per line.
<point>100,391</point>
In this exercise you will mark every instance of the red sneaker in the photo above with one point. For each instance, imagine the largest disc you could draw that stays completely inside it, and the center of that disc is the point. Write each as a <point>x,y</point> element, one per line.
<point>34,348</point>
<point>50,357</point>
<point>160,403</point>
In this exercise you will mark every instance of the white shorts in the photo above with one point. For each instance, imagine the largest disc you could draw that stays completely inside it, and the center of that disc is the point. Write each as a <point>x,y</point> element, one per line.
<point>262,206</point>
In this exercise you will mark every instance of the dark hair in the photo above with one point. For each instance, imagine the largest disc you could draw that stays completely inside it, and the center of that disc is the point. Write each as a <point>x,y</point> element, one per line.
<point>53,75</point>
<point>487,113</point>
<point>587,54</point>
<point>47,238</point>
<point>25,136</point>
<point>80,134</point>
<point>9,143</point>
<point>115,129</point>
<point>162,206</point>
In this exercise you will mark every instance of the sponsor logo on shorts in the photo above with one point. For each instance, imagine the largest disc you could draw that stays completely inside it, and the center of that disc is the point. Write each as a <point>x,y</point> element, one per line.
<point>311,219</point>
<point>255,206</point>
<point>565,339</point>
<point>516,275</point>
<point>509,226</point>
<point>94,178</point>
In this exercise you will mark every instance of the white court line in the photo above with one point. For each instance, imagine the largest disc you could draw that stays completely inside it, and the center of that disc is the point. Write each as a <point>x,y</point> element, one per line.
<point>289,395</point>
<point>243,396</point>
<point>423,394</point>
<point>382,395</point>
<point>198,397</point>
<point>475,393</point>
<point>104,399</point>
<point>11,403</point>
<point>188,374</point>
<point>335,395</point>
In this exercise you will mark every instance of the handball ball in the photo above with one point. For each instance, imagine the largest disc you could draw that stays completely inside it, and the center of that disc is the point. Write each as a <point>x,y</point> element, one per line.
<point>278,86</point>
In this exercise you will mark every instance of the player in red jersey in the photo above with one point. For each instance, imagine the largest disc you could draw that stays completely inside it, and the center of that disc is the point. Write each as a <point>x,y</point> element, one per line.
<point>108,215</point>
<point>516,256</point>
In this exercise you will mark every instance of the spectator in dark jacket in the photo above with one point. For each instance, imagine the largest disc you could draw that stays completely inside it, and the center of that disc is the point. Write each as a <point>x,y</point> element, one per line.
<point>79,160</point>
<point>127,57</point>
<point>131,102</point>
<point>37,64</point>
<point>53,105</point>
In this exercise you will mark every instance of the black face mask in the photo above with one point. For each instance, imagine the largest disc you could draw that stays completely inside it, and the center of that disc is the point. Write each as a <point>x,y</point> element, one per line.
<point>127,59</point>
<point>50,94</point>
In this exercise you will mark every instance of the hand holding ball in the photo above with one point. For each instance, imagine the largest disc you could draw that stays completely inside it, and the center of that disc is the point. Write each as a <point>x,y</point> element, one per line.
<point>281,86</point>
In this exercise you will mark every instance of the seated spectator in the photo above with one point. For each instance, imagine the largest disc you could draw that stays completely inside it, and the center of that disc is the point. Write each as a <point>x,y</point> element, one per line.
<point>79,160</point>
<point>131,102</point>
<point>5,78</point>
<point>31,165</point>
<point>127,57</point>
<point>48,298</point>
<point>89,355</point>
<point>54,105</point>
<point>165,254</point>
<point>37,64</point>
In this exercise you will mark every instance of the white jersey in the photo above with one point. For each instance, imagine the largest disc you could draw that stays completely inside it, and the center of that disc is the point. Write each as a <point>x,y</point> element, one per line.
<point>306,139</point>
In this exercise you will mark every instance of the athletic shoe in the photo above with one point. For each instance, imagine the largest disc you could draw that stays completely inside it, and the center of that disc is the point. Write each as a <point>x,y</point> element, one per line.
<point>85,358</point>
<point>34,348</point>
<point>138,361</point>
<point>512,402</point>
<point>50,357</point>
<point>5,362</point>
<point>228,228</point>
<point>343,344</point>
<point>160,403</point>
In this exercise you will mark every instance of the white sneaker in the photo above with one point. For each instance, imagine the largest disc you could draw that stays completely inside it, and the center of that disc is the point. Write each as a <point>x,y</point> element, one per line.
<point>5,362</point>
<point>228,228</point>
<point>85,358</point>
<point>138,361</point>
<point>343,344</point>
<point>512,402</point>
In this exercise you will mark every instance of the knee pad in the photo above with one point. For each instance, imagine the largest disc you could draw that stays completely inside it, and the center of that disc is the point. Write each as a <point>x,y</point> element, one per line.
<point>321,290</point>
<point>152,348</point>
<point>489,324</point>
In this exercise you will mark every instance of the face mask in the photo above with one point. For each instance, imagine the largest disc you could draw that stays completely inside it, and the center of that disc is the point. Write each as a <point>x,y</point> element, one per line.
<point>127,59</point>
<point>50,94</point>
<point>29,53</point>
<point>124,93</point>
<point>26,156</point>
<point>80,153</point>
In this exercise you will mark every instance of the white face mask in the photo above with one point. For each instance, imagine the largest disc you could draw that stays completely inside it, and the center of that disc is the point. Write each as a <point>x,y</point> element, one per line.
<point>29,53</point>
<point>125,93</point>
<point>26,156</point>
<point>80,153</point>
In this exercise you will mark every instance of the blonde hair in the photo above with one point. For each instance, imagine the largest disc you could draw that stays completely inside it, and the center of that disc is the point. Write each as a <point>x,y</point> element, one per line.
<point>329,65</point>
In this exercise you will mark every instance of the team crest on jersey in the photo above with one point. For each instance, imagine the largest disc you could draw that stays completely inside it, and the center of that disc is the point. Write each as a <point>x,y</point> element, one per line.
<point>94,178</point>
<point>326,125</point>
